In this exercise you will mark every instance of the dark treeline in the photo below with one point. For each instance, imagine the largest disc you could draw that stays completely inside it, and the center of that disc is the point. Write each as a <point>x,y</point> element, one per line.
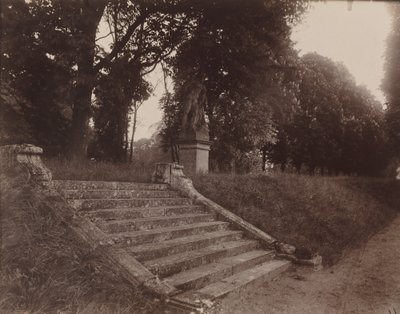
<point>63,91</point>
<point>337,127</point>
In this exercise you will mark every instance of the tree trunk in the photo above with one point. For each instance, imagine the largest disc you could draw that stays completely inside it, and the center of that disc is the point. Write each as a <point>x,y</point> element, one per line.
<point>77,143</point>
<point>264,158</point>
<point>91,13</point>
<point>135,108</point>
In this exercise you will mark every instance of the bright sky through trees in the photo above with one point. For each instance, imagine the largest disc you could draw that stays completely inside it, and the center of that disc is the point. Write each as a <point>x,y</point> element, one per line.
<point>356,38</point>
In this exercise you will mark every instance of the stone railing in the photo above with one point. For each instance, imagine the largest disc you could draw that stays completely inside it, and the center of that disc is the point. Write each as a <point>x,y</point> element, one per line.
<point>28,158</point>
<point>172,174</point>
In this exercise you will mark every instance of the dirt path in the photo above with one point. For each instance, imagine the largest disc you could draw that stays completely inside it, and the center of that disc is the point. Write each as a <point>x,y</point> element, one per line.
<point>366,281</point>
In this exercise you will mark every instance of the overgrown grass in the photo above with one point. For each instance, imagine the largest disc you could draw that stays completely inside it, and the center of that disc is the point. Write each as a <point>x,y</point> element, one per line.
<point>99,171</point>
<point>45,268</point>
<point>318,214</point>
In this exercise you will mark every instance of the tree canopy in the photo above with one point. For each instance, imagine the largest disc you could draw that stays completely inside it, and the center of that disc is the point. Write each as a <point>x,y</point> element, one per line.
<point>59,41</point>
<point>337,126</point>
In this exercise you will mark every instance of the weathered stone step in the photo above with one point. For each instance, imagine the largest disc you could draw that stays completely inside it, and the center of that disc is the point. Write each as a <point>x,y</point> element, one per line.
<point>199,277</point>
<point>128,213</point>
<point>236,283</point>
<point>148,251</point>
<point>171,264</point>
<point>162,234</point>
<point>89,204</point>
<point>90,185</point>
<point>101,194</point>
<point>155,222</point>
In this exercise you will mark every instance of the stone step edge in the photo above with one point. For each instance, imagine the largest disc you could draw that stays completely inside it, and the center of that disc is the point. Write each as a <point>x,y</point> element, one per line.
<point>133,234</point>
<point>116,190</point>
<point>189,239</point>
<point>220,269</point>
<point>110,182</point>
<point>199,300</point>
<point>155,218</point>
<point>127,209</point>
<point>166,266</point>
<point>129,199</point>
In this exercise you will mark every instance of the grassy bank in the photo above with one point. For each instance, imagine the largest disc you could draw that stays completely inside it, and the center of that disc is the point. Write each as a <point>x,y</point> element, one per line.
<point>45,268</point>
<point>318,214</point>
<point>99,171</point>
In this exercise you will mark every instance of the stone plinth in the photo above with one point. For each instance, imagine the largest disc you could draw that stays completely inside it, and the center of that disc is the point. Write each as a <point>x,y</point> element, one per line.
<point>194,155</point>
<point>194,148</point>
<point>26,157</point>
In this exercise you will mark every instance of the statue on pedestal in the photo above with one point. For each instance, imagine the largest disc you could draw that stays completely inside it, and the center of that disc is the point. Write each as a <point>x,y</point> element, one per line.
<point>194,126</point>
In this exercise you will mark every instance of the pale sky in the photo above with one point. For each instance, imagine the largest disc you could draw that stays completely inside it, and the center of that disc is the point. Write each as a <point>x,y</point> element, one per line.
<point>356,38</point>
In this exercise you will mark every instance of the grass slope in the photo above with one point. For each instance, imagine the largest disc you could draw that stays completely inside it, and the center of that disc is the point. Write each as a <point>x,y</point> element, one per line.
<point>318,214</point>
<point>45,268</point>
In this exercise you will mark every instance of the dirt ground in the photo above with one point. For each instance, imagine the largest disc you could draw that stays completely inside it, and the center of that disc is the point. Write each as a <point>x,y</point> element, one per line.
<point>366,281</point>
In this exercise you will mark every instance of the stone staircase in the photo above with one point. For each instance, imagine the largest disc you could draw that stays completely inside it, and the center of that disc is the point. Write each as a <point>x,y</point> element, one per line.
<point>184,244</point>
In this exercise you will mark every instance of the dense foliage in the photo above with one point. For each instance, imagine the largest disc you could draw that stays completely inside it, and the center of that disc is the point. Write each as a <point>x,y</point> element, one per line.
<point>337,127</point>
<point>73,73</point>
<point>52,49</point>
<point>241,54</point>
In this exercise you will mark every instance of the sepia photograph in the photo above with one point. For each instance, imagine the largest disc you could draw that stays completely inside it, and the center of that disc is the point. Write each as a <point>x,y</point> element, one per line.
<point>199,157</point>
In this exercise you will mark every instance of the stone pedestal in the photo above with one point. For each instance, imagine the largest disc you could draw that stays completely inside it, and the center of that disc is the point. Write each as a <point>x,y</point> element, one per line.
<point>27,158</point>
<point>194,156</point>
<point>194,148</point>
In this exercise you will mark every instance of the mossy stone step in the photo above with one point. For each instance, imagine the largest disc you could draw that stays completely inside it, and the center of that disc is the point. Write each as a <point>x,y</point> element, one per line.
<point>111,185</point>
<point>172,264</point>
<point>89,204</point>
<point>154,222</point>
<point>107,193</point>
<point>129,213</point>
<point>199,277</point>
<point>253,276</point>
<point>156,235</point>
<point>149,251</point>
<point>237,283</point>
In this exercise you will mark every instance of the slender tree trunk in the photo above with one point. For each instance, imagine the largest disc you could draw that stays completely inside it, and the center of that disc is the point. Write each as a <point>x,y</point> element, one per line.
<point>264,158</point>
<point>135,109</point>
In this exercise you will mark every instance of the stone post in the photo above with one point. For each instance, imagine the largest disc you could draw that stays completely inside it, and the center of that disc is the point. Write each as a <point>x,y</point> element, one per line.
<point>27,157</point>
<point>194,148</point>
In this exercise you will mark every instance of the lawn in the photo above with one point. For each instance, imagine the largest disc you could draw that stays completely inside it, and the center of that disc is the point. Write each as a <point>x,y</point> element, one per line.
<point>325,215</point>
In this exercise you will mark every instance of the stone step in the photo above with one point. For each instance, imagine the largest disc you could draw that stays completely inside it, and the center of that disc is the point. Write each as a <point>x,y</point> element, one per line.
<point>199,277</point>
<point>128,213</point>
<point>101,194</point>
<point>237,283</point>
<point>89,204</point>
<point>163,234</point>
<point>172,264</point>
<point>148,251</point>
<point>109,185</point>
<point>154,222</point>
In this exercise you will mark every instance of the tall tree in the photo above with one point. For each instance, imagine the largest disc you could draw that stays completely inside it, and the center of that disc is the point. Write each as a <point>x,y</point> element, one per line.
<point>337,126</point>
<point>38,79</point>
<point>238,53</point>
